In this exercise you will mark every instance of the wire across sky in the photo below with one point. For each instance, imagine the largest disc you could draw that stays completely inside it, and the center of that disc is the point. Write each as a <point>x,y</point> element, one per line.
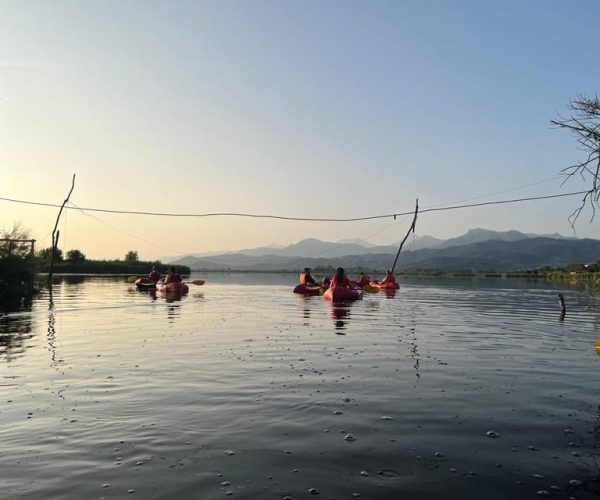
<point>283,217</point>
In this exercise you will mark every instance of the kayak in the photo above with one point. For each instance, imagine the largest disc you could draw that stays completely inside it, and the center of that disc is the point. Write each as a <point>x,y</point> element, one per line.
<point>385,286</point>
<point>145,283</point>
<point>307,290</point>
<point>342,294</point>
<point>172,288</point>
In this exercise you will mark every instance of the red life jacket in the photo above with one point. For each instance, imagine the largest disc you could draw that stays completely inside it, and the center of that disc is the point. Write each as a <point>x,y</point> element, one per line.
<point>345,282</point>
<point>364,280</point>
<point>389,278</point>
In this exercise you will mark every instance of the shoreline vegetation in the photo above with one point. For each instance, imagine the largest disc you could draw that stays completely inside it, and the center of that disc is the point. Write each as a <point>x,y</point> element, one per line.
<point>117,267</point>
<point>19,273</point>
<point>21,276</point>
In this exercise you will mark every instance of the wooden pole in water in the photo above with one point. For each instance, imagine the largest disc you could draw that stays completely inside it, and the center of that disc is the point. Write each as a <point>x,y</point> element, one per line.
<point>563,308</point>
<point>412,228</point>
<point>56,233</point>
<point>561,301</point>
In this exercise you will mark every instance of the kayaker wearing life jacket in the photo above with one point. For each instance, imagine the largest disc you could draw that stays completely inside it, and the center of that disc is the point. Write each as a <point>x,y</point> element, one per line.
<point>306,279</point>
<point>363,280</point>
<point>389,278</point>
<point>340,278</point>
<point>154,275</point>
<point>172,276</point>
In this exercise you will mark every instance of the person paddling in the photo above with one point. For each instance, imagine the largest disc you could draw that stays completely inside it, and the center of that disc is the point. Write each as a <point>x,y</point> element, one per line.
<point>154,275</point>
<point>172,276</point>
<point>389,278</point>
<point>363,280</point>
<point>306,279</point>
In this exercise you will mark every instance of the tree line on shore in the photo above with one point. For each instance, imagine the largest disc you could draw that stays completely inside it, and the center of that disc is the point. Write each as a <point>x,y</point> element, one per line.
<point>19,265</point>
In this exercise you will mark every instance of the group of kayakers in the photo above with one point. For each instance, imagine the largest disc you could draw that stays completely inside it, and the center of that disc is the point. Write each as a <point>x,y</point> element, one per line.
<point>340,279</point>
<point>172,275</point>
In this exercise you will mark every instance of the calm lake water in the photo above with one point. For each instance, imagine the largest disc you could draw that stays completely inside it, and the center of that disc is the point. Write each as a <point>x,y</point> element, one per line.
<point>449,389</point>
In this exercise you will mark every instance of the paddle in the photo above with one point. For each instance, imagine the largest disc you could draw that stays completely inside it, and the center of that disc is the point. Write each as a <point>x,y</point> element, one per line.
<point>133,279</point>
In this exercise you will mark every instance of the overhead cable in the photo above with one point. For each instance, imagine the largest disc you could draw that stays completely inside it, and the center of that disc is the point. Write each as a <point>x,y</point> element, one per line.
<point>282,217</point>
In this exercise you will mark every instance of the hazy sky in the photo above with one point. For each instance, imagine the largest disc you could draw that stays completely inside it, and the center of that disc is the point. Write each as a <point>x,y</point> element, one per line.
<point>294,108</point>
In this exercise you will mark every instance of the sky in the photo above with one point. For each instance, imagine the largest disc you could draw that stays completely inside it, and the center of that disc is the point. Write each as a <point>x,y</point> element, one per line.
<point>310,109</point>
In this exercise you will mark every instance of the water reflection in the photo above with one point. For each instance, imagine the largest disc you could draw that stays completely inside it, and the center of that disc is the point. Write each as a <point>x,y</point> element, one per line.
<point>173,311</point>
<point>150,292</point>
<point>305,306</point>
<point>15,330</point>
<point>389,293</point>
<point>51,336</point>
<point>340,313</point>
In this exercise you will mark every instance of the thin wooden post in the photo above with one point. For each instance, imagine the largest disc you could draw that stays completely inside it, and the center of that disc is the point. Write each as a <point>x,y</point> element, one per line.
<point>56,232</point>
<point>412,228</point>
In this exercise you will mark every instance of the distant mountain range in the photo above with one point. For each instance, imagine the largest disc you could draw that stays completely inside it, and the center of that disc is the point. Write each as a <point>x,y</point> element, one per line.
<point>477,250</point>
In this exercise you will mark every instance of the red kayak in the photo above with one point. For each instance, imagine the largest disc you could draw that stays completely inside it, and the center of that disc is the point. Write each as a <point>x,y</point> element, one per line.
<point>175,288</point>
<point>385,286</point>
<point>342,294</point>
<point>307,290</point>
<point>145,283</point>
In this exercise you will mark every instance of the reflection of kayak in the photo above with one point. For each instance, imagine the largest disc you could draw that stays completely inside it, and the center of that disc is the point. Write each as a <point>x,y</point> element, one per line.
<point>172,288</point>
<point>145,283</point>
<point>342,294</point>
<point>385,286</point>
<point>307,290</point>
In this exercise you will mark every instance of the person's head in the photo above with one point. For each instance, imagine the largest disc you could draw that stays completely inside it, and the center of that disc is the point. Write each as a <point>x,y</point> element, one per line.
<point>388,272</point>
<point>339,273</point>
<point>172,269</point>
<point>307,270</point>
<point>362,274</point>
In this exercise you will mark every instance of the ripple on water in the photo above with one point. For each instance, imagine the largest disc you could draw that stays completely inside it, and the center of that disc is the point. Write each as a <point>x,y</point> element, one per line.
<point>449,389</point>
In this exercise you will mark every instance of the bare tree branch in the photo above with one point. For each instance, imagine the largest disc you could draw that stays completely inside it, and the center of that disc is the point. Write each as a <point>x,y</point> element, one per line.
<point>584,123</point>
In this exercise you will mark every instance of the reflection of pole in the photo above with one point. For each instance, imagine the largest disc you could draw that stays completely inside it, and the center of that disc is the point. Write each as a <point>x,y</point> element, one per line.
<point>412,228</point>
<point>563,308</point>
<point>55,232</point>
<point>51,328</point>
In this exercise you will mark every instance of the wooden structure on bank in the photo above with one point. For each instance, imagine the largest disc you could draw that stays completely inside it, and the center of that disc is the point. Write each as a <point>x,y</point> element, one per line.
<point>14,245</point>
